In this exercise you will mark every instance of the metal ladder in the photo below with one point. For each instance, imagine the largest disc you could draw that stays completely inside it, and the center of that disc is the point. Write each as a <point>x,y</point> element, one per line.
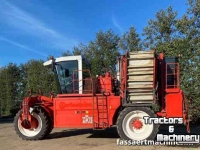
<point>100,113</point>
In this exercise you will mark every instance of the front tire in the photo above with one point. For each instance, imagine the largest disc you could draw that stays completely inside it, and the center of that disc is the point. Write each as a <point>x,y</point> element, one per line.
<point>127,130</point>
<point>36,134</point>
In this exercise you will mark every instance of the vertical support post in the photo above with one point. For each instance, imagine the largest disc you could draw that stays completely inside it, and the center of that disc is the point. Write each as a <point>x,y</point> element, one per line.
<point>102,110</point>
<point>155,77</point>
<point>162,80</point>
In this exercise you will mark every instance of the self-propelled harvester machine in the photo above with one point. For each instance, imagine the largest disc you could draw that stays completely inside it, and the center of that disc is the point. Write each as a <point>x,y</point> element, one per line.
<point>143,80</point>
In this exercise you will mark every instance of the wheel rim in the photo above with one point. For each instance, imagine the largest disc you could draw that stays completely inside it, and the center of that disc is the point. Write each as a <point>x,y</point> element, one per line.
<point>29,132</point>
<point>141,132</point>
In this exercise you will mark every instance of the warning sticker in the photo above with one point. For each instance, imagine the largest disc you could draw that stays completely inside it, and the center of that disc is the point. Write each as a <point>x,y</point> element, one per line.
<point>87,119</point>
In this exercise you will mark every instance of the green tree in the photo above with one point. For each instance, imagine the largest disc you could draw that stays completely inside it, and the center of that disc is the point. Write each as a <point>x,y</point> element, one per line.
<point>67,53</point>
<point>39,77</point>
<point>160,33</point>
<point>102,52</point>
<point>76,50</point>
<point>81,49</point>
<point>9,88</point>
<point>130,41</point>
<point>2,91</point>
<point>22,83</point>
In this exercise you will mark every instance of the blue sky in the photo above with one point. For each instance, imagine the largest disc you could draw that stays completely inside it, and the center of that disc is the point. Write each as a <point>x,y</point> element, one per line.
<point>34,29</point>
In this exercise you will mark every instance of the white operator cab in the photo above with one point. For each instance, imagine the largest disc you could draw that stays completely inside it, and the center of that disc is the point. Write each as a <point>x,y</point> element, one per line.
<point>74,65</point>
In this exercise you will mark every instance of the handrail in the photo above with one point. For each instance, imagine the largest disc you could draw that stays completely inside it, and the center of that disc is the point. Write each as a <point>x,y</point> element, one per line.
<point>90,79</point>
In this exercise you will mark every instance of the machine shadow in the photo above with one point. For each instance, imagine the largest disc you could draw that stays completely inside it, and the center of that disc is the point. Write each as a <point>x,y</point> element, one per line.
<point>112,132</point>
<point>108,133</point>
<point>3,121</point>
<point>68,133</point>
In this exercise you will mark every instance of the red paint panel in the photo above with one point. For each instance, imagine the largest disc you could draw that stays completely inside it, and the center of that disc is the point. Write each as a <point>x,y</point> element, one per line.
<point>109,109</point>
<point>114,104</point>
<point>174,104</point>
<point>86,112</point>
<point>66,108</point>
<point>106,83</point>
<point>66,112</point>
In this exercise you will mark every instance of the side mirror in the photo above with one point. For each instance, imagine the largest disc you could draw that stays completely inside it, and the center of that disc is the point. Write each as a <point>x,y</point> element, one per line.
<point>66,72</point>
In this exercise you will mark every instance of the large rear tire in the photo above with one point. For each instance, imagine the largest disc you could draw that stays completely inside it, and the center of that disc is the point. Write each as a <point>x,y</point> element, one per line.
<point>126,119</point>
<point>36,134</point>
<point>51,126</point>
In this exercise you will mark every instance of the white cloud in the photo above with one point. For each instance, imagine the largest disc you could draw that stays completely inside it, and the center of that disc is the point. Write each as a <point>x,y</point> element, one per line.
<point>29,24</point>
<point>21,46</point>
<point>116,24</point>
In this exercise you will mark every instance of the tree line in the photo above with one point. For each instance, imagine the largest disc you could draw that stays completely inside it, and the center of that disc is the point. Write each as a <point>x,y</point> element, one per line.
<point>166,33</point>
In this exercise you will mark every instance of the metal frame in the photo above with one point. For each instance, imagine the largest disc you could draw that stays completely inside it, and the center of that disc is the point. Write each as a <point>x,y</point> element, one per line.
<point>175,73</point>
<point>81,80</point>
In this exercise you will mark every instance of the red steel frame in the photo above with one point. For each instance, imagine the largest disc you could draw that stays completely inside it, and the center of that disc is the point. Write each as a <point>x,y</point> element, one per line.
<point>176,75</point>
<point>123,75</point>
<point>90,79</point>
<point>68,110</point>
<point>171,96</point>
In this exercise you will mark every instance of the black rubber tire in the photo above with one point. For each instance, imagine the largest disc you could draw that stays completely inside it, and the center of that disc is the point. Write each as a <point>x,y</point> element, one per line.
<point>51,126</point>
<point>130,109</point>
<point>45,126</point>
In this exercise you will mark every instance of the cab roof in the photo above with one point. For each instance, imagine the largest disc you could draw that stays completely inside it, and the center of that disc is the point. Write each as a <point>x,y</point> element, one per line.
<point>67,58</point>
